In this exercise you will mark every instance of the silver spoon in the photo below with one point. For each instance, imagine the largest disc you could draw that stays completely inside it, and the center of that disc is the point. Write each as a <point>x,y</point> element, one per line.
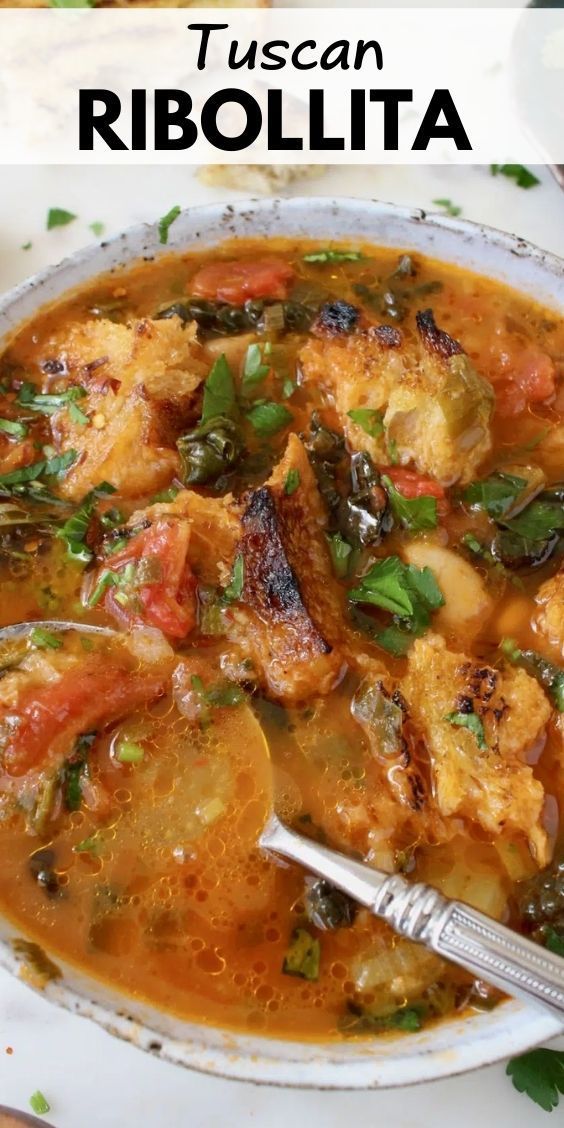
<point>450,928</point>
<point>19,630</point>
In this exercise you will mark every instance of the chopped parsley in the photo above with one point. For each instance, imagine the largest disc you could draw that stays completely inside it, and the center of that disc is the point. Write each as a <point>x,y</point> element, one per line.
<point>26,246</point>
<point>129,752</point>
<point>340,551</point>
<point>44,640</point>
<point>97,228</point>
<point>302,956</point>
<point>59,217</point>
<point>269,418</point>
<point>166,222</point>
<point>413,513</point>
<point>448,207</point>
<point>521,175</point>
<point>539,1074</point>
<point>409,593</point>
<point>371,421</point>
<point>75,529</point>
<point>254,368</point>
<point>49,403</point>
<point>472,722</point>
<point>292,481</point>
<point>234,589</point>
<point>219,392</point>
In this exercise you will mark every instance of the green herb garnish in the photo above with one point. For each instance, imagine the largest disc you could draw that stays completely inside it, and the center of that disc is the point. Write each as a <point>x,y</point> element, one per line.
<point>340,551</point>
<point>414,513</point>
<point>12,427</point>
<point>97,228</point>
<point>370,421</point>
<point>268,418</point>
<point>166,222</point>
<point>539,1074</point>
<point>409,593</point>
<point>128,752</point>
<point>521,175</point>
<point>302,956</point>
<point>49,403</point>
<point>448,207</point>
<point>234,589</point>
<point>58,217</point>
<point>292,482</point>
<point>496,494</point>
<point>219,392</point>
<point>553,940</point>
<point>73,770</point>
<point>254,368</point>
<point>39,1104</point>
<point>44,640</point>
<point>75,529</point>
<point>472,722</point>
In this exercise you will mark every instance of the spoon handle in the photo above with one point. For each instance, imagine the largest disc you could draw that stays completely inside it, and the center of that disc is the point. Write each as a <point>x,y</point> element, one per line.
<point>453,930</point>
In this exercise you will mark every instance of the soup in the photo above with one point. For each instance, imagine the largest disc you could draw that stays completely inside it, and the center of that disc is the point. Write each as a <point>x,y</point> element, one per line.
<point>316,493</point>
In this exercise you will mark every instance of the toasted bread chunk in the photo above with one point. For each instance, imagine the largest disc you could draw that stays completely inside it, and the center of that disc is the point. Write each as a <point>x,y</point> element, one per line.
<point>291,614</point>
<point>433,404</point>
<point>549,619</point>
<point>486,780</point>
<point>140,381</point>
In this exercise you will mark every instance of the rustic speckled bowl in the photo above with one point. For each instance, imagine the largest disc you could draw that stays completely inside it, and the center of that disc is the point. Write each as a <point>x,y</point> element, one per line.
<point>450,1047</point>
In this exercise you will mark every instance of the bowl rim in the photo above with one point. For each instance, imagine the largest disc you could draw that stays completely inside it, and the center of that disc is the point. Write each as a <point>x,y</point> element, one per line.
<point>454,1046</point>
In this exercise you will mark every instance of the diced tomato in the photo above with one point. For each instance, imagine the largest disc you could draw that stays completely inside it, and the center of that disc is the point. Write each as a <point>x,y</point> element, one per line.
<point>527,377</point>
<point>235,282</point>
<point>411,484</point>
<point>167,601</point>
<point>49,719</point>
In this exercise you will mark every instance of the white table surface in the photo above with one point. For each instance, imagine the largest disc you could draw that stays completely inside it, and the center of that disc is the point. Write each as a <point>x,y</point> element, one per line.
<point>90,1079</point>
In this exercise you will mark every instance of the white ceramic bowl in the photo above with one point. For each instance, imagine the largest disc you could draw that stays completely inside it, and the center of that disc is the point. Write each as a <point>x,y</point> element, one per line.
<point>450,1047</point>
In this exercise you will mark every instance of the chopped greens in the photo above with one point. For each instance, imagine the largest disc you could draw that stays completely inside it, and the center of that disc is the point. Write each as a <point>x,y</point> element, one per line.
<point>59,217</point>
<point>254,368</point>
<point>269,418</point>
<point>39,1104</point>
<point>413,513</point>
<point>362,1020</point>
<point>210,450</point>
<point>12,427</point>
<point>333,256</point>
<point>553,941</point>
<point>44,640</point>
<point>220,398</point>
<point>340,551</point>
<point>409,593</point>
<point>21,481</point>
<point>539,1074</point>
<point>448,207</point>
<point>129,752</point>
<point>166,221</point>
<point>302,955</point>
<point>48,404</point>
<point>234,589</point>
<point>292,481</point>
<point>496,494</point>
<point>550,676</point>
<point>75,529</point>
<point>370,421</point>
<point>97,228</point>
<point>472,722</point>
<point>521,175</point>
<point>73,771</point>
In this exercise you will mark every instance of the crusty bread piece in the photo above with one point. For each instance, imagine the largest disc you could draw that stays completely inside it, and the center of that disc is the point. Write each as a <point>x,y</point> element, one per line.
<point>256,178</point>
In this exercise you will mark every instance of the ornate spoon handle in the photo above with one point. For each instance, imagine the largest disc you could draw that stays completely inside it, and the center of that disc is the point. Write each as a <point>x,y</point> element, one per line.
<point>451,929</point>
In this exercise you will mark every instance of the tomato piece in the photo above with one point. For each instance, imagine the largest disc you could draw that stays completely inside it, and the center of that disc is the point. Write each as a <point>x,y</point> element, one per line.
<point>50,719</point>
<point>411,484</point>
<point>236,282</point>
<point>529,377</point>
<point>168,599</point>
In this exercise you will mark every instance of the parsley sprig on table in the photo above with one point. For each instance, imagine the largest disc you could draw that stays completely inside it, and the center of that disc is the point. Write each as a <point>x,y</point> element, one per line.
<point>539,1074</point>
